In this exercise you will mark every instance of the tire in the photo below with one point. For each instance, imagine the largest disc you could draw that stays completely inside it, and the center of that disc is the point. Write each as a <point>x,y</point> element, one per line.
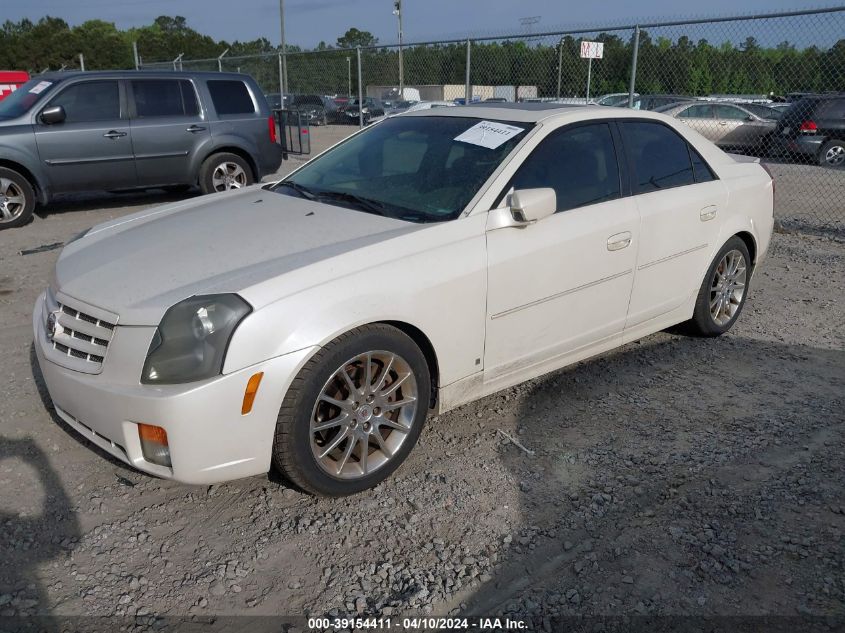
<point>223,172</point>
<point>17,199</point>
<point>832,154</point>
<point>324,462</point>
<point>715,320</point>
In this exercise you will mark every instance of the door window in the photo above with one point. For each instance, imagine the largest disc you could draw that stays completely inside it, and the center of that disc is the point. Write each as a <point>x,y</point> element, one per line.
<point>730,113</point>
<point>578,163</point>
<point>704,111</point>
<point>230,97</point>
<point>164,97</point>
<point>700,168</point>
<point>659,155</point>
<point>89,101</point>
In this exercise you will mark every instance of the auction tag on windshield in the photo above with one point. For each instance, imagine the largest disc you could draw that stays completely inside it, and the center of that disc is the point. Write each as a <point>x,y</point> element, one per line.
<point>40,87</point>
<point>489,134</point>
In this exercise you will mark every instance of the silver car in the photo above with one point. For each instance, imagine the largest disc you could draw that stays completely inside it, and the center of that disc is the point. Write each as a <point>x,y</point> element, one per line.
<point>727,124</point>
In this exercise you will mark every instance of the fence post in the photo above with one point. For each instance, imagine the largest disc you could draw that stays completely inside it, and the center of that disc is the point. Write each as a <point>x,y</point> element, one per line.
<point>135,54</point>
<point>468,87</point>
<point>634,56</point>
<point>360,90</point>
<point>559,65</point>
<point>281,84</point>
<point>82,62</point>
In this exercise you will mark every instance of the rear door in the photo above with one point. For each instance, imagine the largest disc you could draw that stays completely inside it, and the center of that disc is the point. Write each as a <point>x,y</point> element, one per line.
<point>92,148</point>
<point>679,200</point>
<point>701,118</point>
<point>737,130</point>
<point>168,129</point>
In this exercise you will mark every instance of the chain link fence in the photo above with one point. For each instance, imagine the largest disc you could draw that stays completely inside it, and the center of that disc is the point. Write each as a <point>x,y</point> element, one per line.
<point>771,86</point>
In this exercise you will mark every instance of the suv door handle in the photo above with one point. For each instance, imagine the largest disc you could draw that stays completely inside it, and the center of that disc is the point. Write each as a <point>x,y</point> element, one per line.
<point>114,134</point>
<point>195,128</point>
<point>619,241</point>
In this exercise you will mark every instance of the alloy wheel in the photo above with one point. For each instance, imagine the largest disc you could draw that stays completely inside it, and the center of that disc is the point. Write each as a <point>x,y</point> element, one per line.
<point>835,155</point>
<point>364,414</point>
<point>727,288</point>
<point>12,200</point>
<point>228,176</point>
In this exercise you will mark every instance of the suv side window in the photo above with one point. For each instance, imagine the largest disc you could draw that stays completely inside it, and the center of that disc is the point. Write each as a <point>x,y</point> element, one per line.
<point>659,156</point>
<point>164,97</point>
<point>831,109</point>
<point>578,163</point>
<point>89,101</point>
<point>230,96</point>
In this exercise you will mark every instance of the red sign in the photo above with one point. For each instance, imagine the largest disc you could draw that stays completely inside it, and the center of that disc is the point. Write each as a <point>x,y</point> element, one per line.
<point>11,80</point>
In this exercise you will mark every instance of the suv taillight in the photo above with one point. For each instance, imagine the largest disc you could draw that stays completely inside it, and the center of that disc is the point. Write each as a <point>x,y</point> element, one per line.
<point>271,124</point>
<point>808,127</point>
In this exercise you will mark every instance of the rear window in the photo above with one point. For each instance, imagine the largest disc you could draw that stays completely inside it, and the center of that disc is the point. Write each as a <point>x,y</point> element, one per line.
<point>831,109</point>
<point>659,154</point>
<point>230,97</point>
<point>164,97</point>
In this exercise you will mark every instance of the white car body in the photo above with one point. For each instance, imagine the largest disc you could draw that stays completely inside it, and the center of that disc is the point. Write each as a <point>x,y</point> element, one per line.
<point>496,306</point>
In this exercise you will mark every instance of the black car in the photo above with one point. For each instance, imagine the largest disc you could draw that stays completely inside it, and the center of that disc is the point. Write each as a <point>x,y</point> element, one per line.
<point>315,108</point>
<point>814,127</point>
<point>372,108</point>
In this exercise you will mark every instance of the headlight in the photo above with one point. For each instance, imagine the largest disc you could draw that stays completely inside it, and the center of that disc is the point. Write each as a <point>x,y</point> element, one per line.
<point>191,340</point>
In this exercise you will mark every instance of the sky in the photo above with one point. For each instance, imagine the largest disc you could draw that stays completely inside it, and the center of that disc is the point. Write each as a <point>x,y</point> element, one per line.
<point>310,21</point>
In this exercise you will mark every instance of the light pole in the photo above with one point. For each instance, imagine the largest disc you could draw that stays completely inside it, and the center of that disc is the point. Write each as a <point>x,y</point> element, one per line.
<point>397,11</point>
<point>283,70</point>
<point>349,75</point>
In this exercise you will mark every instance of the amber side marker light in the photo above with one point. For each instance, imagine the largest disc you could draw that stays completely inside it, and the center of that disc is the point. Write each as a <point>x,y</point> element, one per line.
<point>154,444</point>
<point>251,392</point>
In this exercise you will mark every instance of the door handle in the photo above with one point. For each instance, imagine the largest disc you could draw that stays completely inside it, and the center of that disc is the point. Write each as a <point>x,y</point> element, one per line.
<point>619,241</point>
<point>708,212</point>
<point>195,128</point>
<point>114,134</point>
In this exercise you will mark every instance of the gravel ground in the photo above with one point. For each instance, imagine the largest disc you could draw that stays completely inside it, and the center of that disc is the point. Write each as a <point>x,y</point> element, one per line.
<point>674,476</point>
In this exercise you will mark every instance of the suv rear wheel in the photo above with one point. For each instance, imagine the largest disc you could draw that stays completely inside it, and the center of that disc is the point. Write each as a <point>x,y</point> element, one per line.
<point>17,199</point>
<point>225,171</point>
<point>832,154</point>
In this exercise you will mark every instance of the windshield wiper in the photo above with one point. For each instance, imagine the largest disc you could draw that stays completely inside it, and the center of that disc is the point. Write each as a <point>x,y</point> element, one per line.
<point>305,192</point>
<point>365,204</point>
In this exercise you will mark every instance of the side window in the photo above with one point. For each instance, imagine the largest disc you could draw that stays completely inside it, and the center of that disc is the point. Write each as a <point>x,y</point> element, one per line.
<point>164,97</point>
<point>697,112</point>
<point>659,156</point>
<point>730,112</point>
<point>89,101</point>
<point>700,169</point>
<point>831,109</point>
<point>230,97</point>
<point>578,163</point>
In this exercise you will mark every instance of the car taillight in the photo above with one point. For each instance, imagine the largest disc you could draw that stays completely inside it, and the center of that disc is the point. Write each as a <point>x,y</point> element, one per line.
<point>808,127</point>
<point>271,123</point>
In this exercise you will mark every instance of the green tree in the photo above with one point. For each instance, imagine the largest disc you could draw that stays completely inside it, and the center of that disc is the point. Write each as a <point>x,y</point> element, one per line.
<point>353,37</point>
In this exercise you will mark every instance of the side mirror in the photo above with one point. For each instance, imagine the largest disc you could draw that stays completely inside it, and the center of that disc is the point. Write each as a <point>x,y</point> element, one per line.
<point>531,205</point>
<point>53,115</point>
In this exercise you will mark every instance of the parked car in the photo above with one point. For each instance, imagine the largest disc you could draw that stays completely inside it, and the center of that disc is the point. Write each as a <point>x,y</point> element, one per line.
<point>276,102</point>
<point>614,99</point>
<point>728,125</point>
<point>314,108</point>
<point>400,107</point>
<point>764,111</point>
<point>424,262</point>
<point>652,102</point>
<point>372,109</point>
<point>75,131</point>
<point>814,128</point>
<point>428,105</point>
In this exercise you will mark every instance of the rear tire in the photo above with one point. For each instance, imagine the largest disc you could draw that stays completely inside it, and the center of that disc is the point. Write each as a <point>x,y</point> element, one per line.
<point>17,199</point>
<point>342,429</point>
<point>223,172</point>
<point>723,292</point>
<point>832,154</point>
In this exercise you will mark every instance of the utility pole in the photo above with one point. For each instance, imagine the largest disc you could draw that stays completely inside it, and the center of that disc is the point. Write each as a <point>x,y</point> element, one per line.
<point>283,78</point>
<point>349,75</point>
<point>397,11</point>
<point>220,60</point>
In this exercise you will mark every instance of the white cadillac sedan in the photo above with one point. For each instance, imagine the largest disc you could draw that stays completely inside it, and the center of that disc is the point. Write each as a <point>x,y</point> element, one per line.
<point>429,260</point>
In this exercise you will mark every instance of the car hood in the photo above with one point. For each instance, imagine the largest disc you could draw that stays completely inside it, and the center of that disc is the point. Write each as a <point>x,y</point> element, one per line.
<point>140,265</point>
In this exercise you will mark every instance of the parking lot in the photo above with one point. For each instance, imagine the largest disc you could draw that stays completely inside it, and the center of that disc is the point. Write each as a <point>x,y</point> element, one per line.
<point>672,476</point>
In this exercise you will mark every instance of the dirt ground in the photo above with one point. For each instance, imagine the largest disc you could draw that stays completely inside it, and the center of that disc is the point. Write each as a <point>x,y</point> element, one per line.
<point>674,476</point>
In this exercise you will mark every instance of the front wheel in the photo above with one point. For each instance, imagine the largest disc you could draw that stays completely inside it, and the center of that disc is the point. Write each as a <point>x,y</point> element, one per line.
<point>354,412</point>
<point>832,154</point>
<point>723,292</point>
<point>17,199</point>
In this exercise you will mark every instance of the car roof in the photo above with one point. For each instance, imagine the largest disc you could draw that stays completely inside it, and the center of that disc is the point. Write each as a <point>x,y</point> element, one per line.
<point>101,74</point>
<point>520,112</point>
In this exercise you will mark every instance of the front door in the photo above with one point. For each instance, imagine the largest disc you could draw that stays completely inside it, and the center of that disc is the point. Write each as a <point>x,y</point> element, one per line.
<point>168,130</point>
<point>92,148</point>
<point>562,284</point>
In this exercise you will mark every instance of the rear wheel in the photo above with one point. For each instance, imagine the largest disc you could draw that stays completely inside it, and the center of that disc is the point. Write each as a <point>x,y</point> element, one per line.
<point>832,154</point>
<point>223,172</point>
<point>723,292</point>
<point>353,413</point>
<point>17,199</point>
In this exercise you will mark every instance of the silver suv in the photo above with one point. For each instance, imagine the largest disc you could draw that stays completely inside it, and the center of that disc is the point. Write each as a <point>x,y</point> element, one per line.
<point>93,131</point>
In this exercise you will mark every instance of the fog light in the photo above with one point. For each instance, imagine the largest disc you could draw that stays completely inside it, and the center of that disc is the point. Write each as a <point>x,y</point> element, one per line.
<point>251,392</point>
<point>154,444</point>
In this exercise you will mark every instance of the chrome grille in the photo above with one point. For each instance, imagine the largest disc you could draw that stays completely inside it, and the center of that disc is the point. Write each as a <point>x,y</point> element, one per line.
<point>79,339</point>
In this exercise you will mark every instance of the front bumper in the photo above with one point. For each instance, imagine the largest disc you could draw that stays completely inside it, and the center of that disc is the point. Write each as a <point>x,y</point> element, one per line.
<point>210,441</point>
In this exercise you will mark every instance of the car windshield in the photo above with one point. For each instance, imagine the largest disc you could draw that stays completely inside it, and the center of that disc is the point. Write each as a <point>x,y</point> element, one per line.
<point>410,168</point>
<point>24,98</point>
